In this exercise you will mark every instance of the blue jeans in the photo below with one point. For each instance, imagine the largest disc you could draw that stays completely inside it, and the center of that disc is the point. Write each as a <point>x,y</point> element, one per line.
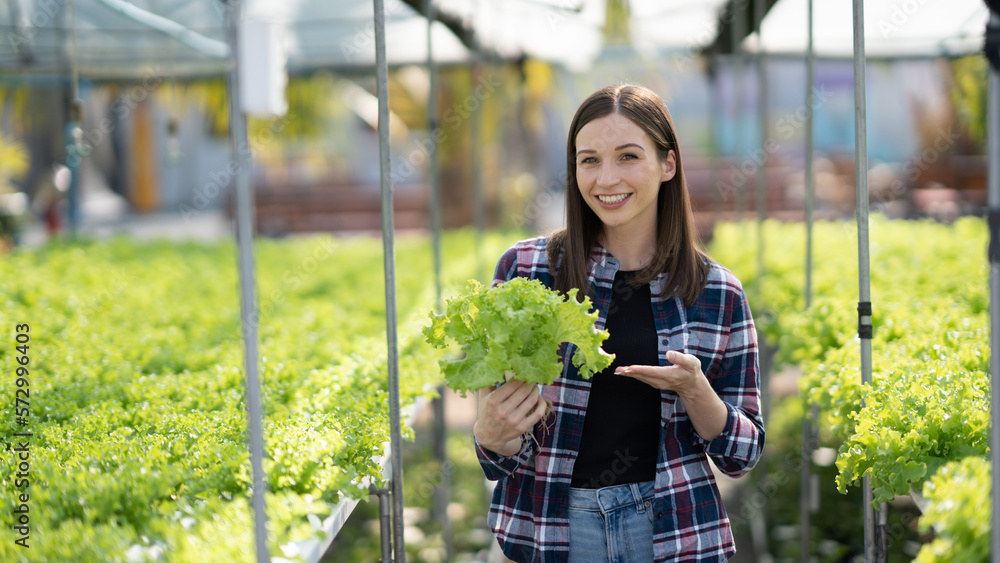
<point>613,524</point>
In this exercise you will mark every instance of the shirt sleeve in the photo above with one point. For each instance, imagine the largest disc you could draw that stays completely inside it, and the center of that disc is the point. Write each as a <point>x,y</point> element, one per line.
<point>506,267</point>
<point>497,467</point>
<point>738,448</point>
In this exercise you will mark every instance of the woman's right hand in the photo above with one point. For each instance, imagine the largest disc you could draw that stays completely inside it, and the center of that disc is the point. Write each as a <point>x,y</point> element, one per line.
<point>505,413</point>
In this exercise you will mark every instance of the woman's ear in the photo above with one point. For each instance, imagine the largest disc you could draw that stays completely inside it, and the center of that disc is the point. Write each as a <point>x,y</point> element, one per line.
<point>669,167</point>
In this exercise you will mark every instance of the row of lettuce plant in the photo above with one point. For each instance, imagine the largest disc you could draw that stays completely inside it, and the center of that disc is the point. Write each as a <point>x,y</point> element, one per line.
<point>922,426</point>
<point>137,414</point>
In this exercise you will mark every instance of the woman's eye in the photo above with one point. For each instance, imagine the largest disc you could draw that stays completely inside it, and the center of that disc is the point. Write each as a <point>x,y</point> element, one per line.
<point>629,156</point>
<point>588,160</point>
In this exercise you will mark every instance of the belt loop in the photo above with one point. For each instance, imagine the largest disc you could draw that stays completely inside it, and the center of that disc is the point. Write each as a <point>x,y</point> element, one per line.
<point>637,497</point>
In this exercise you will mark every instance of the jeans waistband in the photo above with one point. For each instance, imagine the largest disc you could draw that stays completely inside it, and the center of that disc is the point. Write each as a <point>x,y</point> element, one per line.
<point>605,499</point>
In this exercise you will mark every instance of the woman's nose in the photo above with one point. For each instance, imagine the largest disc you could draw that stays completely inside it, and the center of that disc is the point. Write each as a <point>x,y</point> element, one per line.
<point>608,174</point>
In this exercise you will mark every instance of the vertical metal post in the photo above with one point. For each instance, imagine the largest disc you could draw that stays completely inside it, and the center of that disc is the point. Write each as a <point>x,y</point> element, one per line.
<point>737,34</point>
<point>761,175</point>
<point>432,157</point>
<point>442,492</point>
<point>810,181</point>
<point>73,161</point>
<point>806,500</point>
<point>478,198</point>
<point>993,200</point>
<point>389,257</point>
<point>73,130</point>
<point>864,270</point>
<point>715,107</point>
<point>248,299</point>
<point>384,522</point>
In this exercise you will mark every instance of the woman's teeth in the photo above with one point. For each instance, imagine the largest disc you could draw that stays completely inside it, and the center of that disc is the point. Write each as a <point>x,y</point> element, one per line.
<point>612,198</point>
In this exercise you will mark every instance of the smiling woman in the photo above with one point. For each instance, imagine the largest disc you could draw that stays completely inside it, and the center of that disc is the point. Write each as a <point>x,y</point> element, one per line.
<point>619,470</point>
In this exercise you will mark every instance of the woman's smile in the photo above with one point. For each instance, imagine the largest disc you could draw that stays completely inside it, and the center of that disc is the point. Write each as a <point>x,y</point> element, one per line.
<point>613,201</point>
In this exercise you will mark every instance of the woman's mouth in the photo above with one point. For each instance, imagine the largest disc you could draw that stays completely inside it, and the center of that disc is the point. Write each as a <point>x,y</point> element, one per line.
<point>613,201</point>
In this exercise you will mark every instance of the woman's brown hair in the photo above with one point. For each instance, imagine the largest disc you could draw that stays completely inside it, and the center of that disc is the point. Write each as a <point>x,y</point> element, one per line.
<point>677,254</point>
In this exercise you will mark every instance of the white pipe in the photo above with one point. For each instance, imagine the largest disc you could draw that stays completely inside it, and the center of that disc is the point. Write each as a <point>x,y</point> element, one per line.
<point>211,47</point>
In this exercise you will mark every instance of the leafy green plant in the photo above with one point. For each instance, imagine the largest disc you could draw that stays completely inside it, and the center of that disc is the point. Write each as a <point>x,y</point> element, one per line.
<point>928,404</point>
<point>959,510</point>
<point>514,331</point>
<point>137,388</point>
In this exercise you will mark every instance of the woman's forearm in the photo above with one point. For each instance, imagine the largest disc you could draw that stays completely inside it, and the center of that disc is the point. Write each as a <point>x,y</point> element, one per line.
<point>706,410</point>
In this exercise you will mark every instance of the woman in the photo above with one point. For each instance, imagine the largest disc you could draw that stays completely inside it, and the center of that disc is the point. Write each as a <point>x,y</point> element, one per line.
<point>619,470</point>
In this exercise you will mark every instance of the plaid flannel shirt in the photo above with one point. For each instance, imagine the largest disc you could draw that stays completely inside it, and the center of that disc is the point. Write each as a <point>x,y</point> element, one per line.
<point>529,508</point>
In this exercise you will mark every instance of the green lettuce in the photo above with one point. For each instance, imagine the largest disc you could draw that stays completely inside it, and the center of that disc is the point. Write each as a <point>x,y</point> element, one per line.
<point>514,331</point>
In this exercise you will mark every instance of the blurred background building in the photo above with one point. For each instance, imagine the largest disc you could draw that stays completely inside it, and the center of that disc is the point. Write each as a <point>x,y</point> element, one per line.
<point>149,75</point>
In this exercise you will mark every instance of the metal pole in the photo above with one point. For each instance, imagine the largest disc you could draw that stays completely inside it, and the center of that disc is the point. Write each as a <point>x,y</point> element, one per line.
<point>761,176</point>
<point>806,500</point>
<point>248,300</point>
<point>435,182</point>
<point>73,131</point>
<point>738,32</point>
<point>864,272</point>
<point>442,492</point>
<point>384,521</point>
<point>478,198</point>
<point>389,256</point>
<point>810,181</point>
<point>993,160</point>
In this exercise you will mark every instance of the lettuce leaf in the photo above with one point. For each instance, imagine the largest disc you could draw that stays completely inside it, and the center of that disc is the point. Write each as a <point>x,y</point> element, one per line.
<point>514,331</point>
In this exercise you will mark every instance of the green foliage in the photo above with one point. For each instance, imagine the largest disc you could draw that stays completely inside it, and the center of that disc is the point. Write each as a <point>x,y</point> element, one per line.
<point>514,331</point>
<point>958,508</point>
<point>929,400</point>
<point>137,389</point>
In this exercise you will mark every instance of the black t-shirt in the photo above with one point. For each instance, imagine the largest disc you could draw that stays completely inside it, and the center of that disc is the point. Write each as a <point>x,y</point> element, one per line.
<point>621,430</point>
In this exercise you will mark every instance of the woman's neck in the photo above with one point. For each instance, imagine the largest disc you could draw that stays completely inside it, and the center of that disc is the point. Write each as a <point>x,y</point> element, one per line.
<point>634,248</point>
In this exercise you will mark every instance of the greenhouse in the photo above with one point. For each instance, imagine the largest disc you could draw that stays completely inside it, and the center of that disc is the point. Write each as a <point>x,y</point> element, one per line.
<point>259,295</point>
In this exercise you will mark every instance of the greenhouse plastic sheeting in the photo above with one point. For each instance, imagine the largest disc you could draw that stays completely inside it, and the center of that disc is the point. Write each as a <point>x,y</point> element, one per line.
<point>117,38</point>
<point>893,28</point>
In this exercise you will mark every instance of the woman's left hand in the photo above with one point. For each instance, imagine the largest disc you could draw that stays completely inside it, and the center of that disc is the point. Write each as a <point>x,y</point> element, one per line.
<point>684,377</point>
<point>707,411</point>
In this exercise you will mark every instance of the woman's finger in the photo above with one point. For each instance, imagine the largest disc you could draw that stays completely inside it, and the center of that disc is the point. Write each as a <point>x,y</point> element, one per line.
<point>689,362</point>
<point>525,407</point>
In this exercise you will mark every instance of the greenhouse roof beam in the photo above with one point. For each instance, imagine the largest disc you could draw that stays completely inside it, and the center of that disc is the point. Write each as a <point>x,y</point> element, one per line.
<point>723,43</point>
<point>211,47</point>
<point>463,30</point>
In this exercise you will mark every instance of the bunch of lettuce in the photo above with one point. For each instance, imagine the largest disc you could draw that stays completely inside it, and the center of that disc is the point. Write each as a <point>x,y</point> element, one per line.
<point>514,331</point>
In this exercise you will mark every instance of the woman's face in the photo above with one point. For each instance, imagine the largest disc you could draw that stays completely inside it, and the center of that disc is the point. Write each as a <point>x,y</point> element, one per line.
<point>619,172</point>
